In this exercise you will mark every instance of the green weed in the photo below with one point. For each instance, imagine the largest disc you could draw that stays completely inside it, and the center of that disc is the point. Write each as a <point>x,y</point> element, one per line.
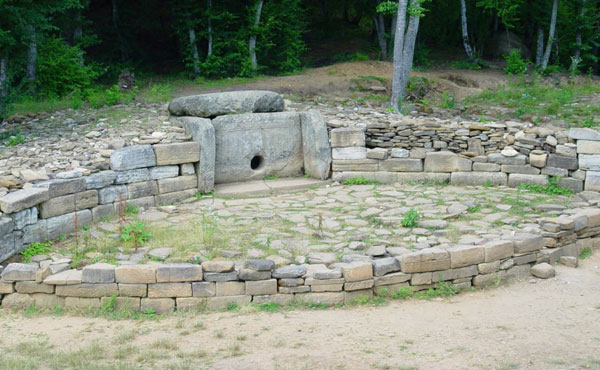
<point>585,253</point>
<point>410,218</point>
<point>360,181</point>
<point>552,188</point>
<point>35,249</point>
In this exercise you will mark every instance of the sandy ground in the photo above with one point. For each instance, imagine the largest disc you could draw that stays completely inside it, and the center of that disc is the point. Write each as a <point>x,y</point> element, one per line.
<point>550,324</point>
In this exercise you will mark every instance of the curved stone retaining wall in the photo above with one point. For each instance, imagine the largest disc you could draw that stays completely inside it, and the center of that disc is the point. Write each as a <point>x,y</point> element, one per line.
<point>215,284</point>
<point>476,154</point>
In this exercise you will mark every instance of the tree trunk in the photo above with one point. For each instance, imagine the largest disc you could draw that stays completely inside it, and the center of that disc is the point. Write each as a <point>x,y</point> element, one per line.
<point>546,58</point>
<point>31,57</point>
<point>540,46</point>
<point>379,23</point>
<point>121,39</point>
<point>392,35</point>
<point>398,56</point>
<point>210,33</point>
<point>465,31</point>
<point>195,56</point>
<point>409,47</point>
<point>252,41</point>
<point>3,77</point>
<point>576,59</point>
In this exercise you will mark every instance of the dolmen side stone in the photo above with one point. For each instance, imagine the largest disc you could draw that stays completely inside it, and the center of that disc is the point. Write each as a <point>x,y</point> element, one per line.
<point>233,102</point>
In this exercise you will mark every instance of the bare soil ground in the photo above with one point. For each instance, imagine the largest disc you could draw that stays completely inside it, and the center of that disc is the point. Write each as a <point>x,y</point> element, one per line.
<point>337,80</point>
<point>552,324</point>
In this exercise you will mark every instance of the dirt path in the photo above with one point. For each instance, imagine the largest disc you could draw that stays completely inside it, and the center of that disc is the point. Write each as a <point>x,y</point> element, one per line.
<point>336,80</point>
<point>552,324</point>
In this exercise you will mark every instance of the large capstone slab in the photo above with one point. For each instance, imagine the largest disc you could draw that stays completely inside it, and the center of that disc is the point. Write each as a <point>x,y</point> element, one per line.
<point>254,146</point>
<point>234,102</point>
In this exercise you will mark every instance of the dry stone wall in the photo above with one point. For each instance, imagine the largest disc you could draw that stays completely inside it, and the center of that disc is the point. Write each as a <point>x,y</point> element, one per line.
<point>472,154</point>
<point>215,284</point>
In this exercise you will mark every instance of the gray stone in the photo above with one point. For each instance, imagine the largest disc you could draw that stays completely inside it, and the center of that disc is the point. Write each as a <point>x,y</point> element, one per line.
<point>377,153</point>
<point>586,161</point>
<point>132,157</point>
<point>289,272</point>
<point>176,153</point>
<point>6,225</point>
<point>516,168</point>
<point>163,172</point>
<point>355,165</point>
<point>86,199</point>
<point>57,206</point>
<point>203,132</point>
<point>160,253</point>
<point>262,287</point>
<point>22,199</point>
<point>349,153</point>
<point>556,172</point>
<point>588,147</point>
<point>98,273</point>
<point>23,218</point>
<point>17,300</point>
<point>19,272</point>
<point>112,194</point>
<point>559,161</point>
<point>376,250</point>
<point>478,178</point>
<point>500,159</point>
<point>234,102</point>
<point>383,266</point>
<point>315,145</point>
<point>465,255</point>
<point>204,289</point>
<point>515,179</point>
<point>28,287</point>
<point>218,266</point>
<point>576,186</point>
<point>100,180</point>
<point>330,298</point>
<point>160,306</point>
<point>178,272</point>
<point>486,167</point>
<point>68,277</point>
<point>543,271</point>
<point>524,243</point>
<point>87,290</point>
<point>347,137</point>
<point>176,184</point>
<point>430,259</point>
<point>65,224</point>
<point>592,181</point>
<point>445,161</point>
<point>172,198</point>
<point>169,290</point>
<point>569,261</point>
<point>142,189</point>
<point>59,187</point>
<point>401,165</point>
<point>400,153</point>
<point>254,146</point>
<point>252,275</point>
<point>259,265</point>
<point>187,169</point>
<point>131,176</point>
<point>584,134</point>
<point>133,290</point>
<point>221,276</point>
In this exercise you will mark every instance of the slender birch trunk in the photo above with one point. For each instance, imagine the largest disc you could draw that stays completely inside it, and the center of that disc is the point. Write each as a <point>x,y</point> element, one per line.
<point>576,59</point>
<point>540,46</point>
<point>409,47</point>
<point>551,35</point>
<point>252,41</point>
<point>3,77</point>
<point>195,55</point>
<point>210,31</point>
<point>465,31</point>
<point>379,23</point>
<point>32,53</point>
<point>115,20</point>
<point>398,56</point>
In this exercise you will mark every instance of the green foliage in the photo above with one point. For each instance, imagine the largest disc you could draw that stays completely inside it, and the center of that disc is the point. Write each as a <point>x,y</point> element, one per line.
<point>14,140</point>
<point>349,57</point>
<point>448,100</point>
<point>109,305</point>
<point>98,98</point>
<point>515,65</point>
<point>60,69</point>
<point>465,64</point>
<point>585,253</point>
<point>387,7</point>
<point>403,293</point>
<point>360,181</point>
<point>410,218</point>
<point>35,249</point>
<point>137,232</point>
<point>552,188</point>
<point>232,306</point>
<point>269,307</point>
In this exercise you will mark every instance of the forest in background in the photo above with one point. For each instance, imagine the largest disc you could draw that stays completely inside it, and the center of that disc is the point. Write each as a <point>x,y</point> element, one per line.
<point>55,48</point>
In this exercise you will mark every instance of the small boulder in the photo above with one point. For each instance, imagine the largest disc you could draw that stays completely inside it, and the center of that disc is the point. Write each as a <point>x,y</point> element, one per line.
<point>543,271</point>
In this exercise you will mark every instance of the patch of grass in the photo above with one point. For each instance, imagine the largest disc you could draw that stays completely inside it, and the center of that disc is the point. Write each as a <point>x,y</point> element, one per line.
<point>360,181</point>
<point>448,100</point>
<point>585,253</point>
<point>465,64</point>
<point>232,306</point>
<point>403,293</point>
<point>552,188</point>
<point>157,92</point>
<point>269,307</point>
<point>36,249</point>
<point>272,177</point>
<point>15,140</point>
<point>410,218</point>
<point>200,195</point>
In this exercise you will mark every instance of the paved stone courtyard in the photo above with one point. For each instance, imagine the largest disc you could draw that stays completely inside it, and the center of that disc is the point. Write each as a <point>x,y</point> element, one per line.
<point>324,224</point>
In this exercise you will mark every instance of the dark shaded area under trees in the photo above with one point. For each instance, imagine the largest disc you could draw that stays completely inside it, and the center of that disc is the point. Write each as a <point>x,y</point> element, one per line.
<point>51,48</point>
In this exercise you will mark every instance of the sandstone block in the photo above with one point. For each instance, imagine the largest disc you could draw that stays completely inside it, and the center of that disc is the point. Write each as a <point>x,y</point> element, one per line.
<point>359,285</point>
<point>486,167</point>
<point>348,153</point>
<point>522,169</point>
<point>478,178</point>
<point>559,161</point>
<point>60,187</point>
<point>219,303</point>
<point>22,199</point>
<point>358,272</point>
<point>430,259</point>
<point>19,272</point>
<point>203,132</point>
<point>218,266</point>
<point>175,197</point>
<point>98,273</point>
<point>465,255</point>
<point>592,181</point>
<point>179,183</point>
<point>588,147</point>
<point>422,278</point>
<point>142,189</point>
<point>489,267</point>
<point>86,199</point>
<point>355,165</point>
<point>79,302</point>
<point>525,243</point>
<point>401,165</point>
<point>160,306</point>
<point>204,289</point>
<point>163,172</point>
<point>347,137</point>
<point>132,157</point>
<point>133,290</point>
<point>221,276</point>
<point>123,303</point>
<point>111,194</point>
<point>176,153</point>
<point>332,298</point>
<point>445,161</point>
<point>65,224</point>
<point>178,272</point>
<point>135,274</point>
<point>169,290</point>
<point>252,275</point>
<point>17,300</point>
<point>87,290</point>
<point>47,300</point>
<point>263,287</point>
<point>497,250</point>
<point>68,277</point>
<point>131,176</point>
<point>315,145</point>
<point>515,179</point>
<point>228,288</point>
<point>543,271</point>
<point>383,266</point>
<point>33,287</point>
<point>57,206</point>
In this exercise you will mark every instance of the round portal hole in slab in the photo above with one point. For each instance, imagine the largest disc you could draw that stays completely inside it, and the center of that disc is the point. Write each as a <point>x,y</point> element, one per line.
<point>256,162</point>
